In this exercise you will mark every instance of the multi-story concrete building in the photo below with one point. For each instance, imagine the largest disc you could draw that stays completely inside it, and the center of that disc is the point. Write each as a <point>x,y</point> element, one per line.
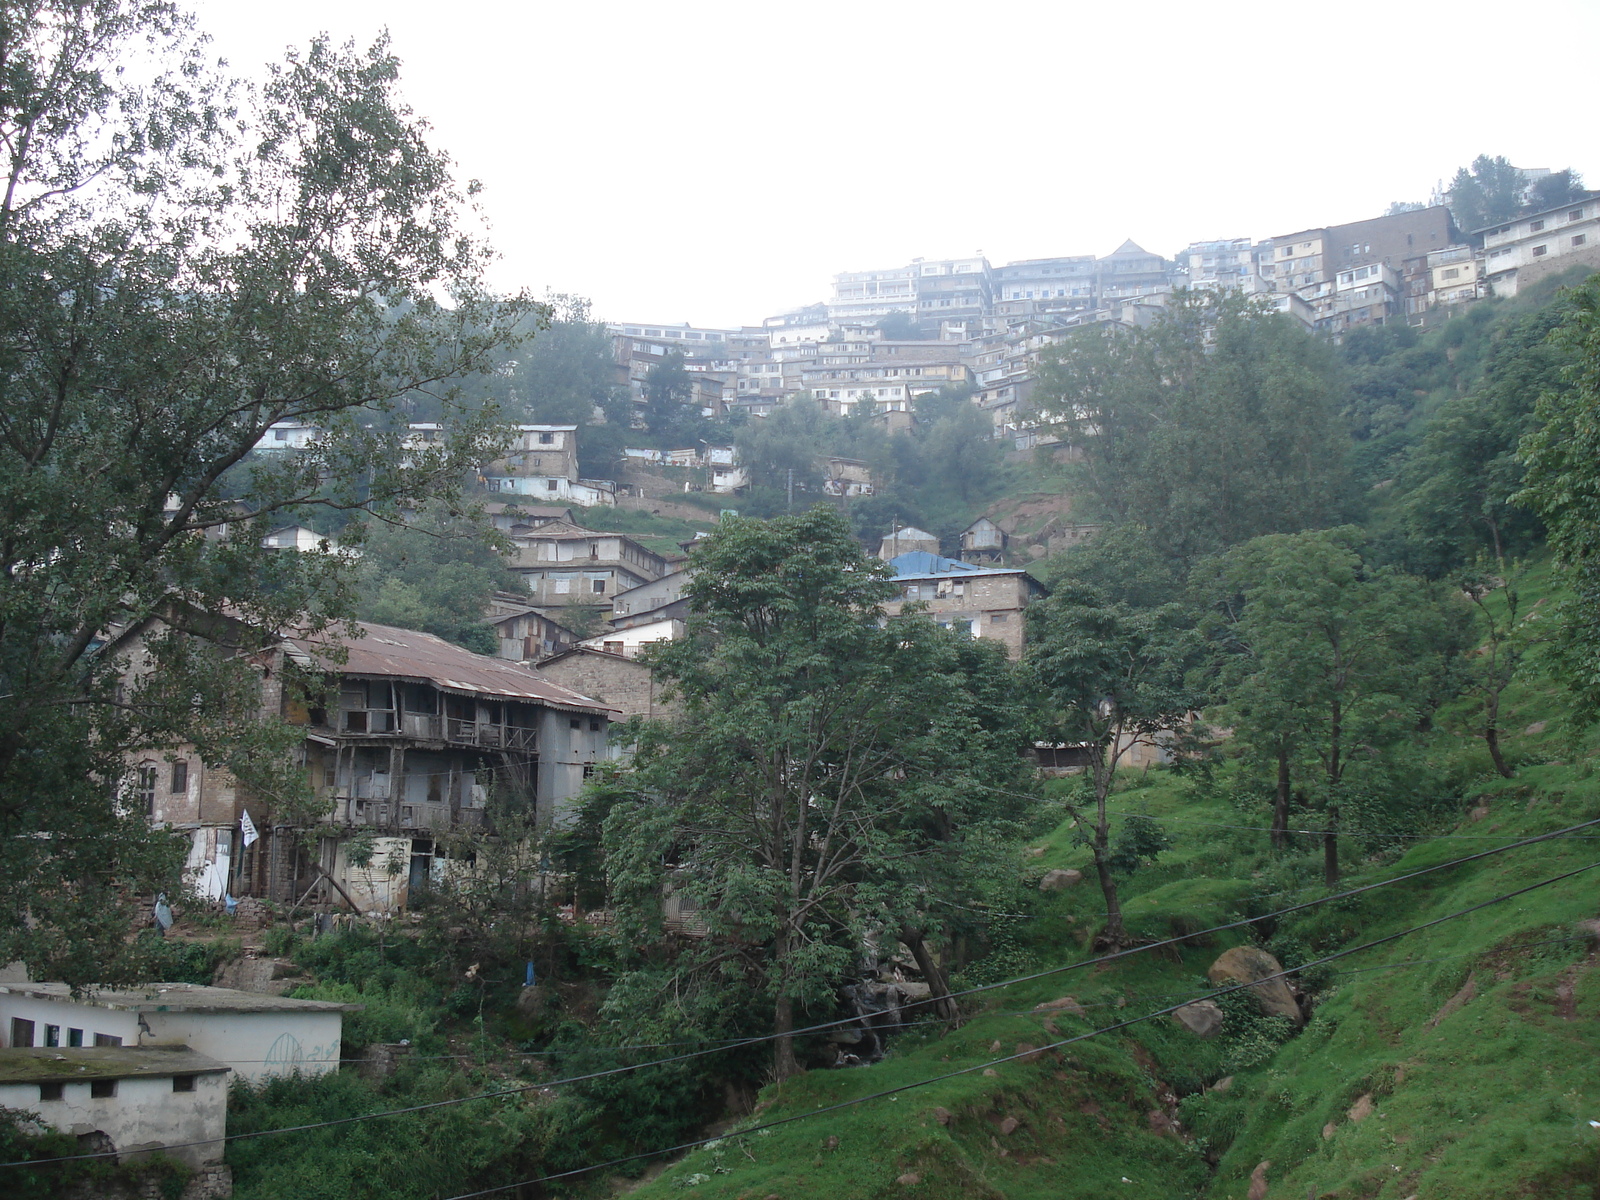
<point>1040,286</point>
<point>1537,244</point>
<point>979,601</point>
<point>542,464</point>
<point>564,564</point>
<point>1226,265</point>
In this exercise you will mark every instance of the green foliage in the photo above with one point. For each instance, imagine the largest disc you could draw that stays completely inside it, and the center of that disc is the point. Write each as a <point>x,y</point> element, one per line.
<point>830,772</point>
<point>435,574</point>
<point>1563,486</point>
<point>1486,193</point>
<point>242,261</point>
<point>1219,423</point>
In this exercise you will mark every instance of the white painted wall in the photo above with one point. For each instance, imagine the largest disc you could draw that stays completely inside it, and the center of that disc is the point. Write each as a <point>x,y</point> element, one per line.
<point>145,1114</point>
<point>256,1045</point>
<point>66,1015</point>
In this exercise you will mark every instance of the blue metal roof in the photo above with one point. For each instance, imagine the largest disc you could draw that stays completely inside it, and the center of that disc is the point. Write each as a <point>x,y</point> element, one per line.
<point>919,564</point>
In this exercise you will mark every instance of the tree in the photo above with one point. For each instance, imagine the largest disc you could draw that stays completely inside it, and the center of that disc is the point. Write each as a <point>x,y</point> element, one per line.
<point>179,274</point>
<point>1325,661</point>
<point>1486,193</point>
<point>565,371</point>
<point>1563,485</point>
<point>668,395</point>
<point>1112,677</point>
<point>1219,423</point>
<point>1556,189</point>
<point>1494,664</point>
<point>437,574</point>
<point>833,772</point>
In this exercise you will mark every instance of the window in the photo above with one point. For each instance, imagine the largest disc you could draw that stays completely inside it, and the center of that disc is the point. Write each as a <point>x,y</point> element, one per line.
<point>551,485</point>
<point>280,435</point>
<point>594,726</point>
<point>563,585</point>
<point>611,647</point>
<point>74,1037</point>
<point>1535,226</point>
<point>183,1083</point>
<point>1540,251</point>
<point>999,618</point>
<point>102,1089</point>
<point>50,1091</point>
<point>180,777</point>
<point>588,770</point>
<point>547,439</point>
<point>1580,239</point>
<point>107,1039</point>
<point>1452,273</point>
<point>147,788</point>
<point>599,585</point>
<point>21,1033</point>
<point>1575,215</point>
<point>52,1035</point>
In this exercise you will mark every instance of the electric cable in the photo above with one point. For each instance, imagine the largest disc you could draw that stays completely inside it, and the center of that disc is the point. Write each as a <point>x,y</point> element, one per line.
<point>757,1040</point>
<point>1031,1053</point>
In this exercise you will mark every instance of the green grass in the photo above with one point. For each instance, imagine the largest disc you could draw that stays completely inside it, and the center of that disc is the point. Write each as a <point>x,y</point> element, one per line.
<point>1490,1097</point>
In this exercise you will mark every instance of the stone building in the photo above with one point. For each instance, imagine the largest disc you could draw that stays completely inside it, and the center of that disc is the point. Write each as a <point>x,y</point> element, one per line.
<point>979,601</point>
<point>622,682</point>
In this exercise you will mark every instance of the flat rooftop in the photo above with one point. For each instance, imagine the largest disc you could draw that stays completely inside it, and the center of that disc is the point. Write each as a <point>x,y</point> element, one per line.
<point>174,997</point>
<point>51,1064</point>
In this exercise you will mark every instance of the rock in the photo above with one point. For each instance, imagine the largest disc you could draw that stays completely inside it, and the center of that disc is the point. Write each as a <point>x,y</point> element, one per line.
<point>832,1143</point>
<point>1361,1109</point>
<point>909,1179</point>
<point>1160,1123</point>
<point>1480,812</point>
<point>1536,728</point>
<point>1060,880</point>
<point>991,1073</point>
<point>1203,1018</point>
<point>942,1115</point>
<point>1038,851</point>
<point>1329,1130</point>
<point>1258,1182</point>
<point>1222,1084</point>
<point>995,1047</point>
<point>1027,1052</point>
<point>1247,964</point>
<point>1066,1004</point>
<point>1009,1126</point>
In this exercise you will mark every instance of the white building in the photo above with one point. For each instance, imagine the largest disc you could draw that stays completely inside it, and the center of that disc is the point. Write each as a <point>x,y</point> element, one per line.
<point>287,435</point>
<point>254,1035</point>
<point>1532,244</point>
<point>140,1099</point>
<point>306,541</point>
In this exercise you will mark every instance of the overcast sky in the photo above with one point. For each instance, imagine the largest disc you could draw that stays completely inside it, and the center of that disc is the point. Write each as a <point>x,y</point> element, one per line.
<point>716,163</point>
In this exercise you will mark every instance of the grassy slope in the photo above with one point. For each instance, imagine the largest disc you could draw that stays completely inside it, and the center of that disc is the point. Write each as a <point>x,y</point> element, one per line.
<point>1491,1100</point>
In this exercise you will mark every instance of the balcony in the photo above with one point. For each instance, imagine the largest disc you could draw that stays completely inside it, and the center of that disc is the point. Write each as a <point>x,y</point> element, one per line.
<point>431,727</point>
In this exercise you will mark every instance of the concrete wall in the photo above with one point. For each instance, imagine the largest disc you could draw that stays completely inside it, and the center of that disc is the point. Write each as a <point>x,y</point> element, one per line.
<point>564,752</point>
<point>66,1016</point>
<point>992,603</point>
<point>145,1114</point>
<point>256,1044</point>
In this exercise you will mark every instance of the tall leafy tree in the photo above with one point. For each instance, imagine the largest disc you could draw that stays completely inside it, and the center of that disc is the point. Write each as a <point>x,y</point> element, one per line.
<point>1111,677</point>
<point>834,774</point>
<point>1486,192</point>
<point>1219,423</point>
<point>182,268</point>
<point>1327,661</point>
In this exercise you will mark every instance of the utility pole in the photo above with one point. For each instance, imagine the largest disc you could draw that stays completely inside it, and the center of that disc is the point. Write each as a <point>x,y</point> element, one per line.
<point>790,507</point>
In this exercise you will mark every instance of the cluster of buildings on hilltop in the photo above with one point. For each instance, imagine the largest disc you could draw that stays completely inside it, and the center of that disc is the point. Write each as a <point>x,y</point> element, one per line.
<point>984,325</point>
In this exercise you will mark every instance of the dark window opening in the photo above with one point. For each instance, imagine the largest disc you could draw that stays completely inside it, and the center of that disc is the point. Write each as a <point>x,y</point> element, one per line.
<point>102,1089</point>
<point>107,1039</point>
<point>180,777</point>
<point>21,1033</point>
<point>575,723</point>
<point>74,1037</point>
<point>52,1035</point>
<point>50,1091</point>
<point>594,726</point>
<point>183,1083</point>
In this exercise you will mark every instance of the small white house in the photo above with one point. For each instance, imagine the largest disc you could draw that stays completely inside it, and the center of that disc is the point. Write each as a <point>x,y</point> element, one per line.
<point>141,1099</point>
<point>306,541</point>
<point>287,435</point>
<point>255,1035</point>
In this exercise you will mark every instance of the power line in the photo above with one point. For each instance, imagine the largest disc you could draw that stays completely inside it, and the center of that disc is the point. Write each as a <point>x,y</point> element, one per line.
<point>757,1040</point>
<point>1031,1053</point>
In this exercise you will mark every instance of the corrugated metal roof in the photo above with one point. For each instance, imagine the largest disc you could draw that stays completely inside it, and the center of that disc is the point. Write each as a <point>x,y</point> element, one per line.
<point>919,564</point>
<point>406,654</point>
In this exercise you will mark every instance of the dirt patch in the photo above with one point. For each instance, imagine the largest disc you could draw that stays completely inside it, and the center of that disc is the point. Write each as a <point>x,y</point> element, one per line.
<point>1468,990</point>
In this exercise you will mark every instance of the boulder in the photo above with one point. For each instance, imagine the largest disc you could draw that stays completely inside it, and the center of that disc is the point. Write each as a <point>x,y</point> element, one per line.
<point>1258,1182</point>
<point>1361,1109</point>
<point>1059,880</point>
<point>1248,964</point>
<point>1222,1084</point>
<point>1329,1130</point>
<point>1027,1052</point>
<point>1202,1018</point>
<point>942,1115</point>
<point>909,1179</point>
<point>1066,1004</point>
<point>1009,1126</point>
<point>1038,851</point>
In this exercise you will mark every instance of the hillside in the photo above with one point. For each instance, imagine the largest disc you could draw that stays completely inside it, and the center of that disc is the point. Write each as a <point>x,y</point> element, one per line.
<point>1452,1062</point>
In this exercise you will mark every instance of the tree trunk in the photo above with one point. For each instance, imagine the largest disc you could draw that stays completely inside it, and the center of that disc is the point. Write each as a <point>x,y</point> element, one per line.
<point>784,1063</point>
<point>1330,848</point>
<point>1116,937</point>
<point>1491,735</point>
<point>1280,803</point>
<point>938,986</point>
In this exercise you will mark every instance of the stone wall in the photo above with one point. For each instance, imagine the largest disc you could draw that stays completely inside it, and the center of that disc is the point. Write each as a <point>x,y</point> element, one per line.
<point>620,682</point>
